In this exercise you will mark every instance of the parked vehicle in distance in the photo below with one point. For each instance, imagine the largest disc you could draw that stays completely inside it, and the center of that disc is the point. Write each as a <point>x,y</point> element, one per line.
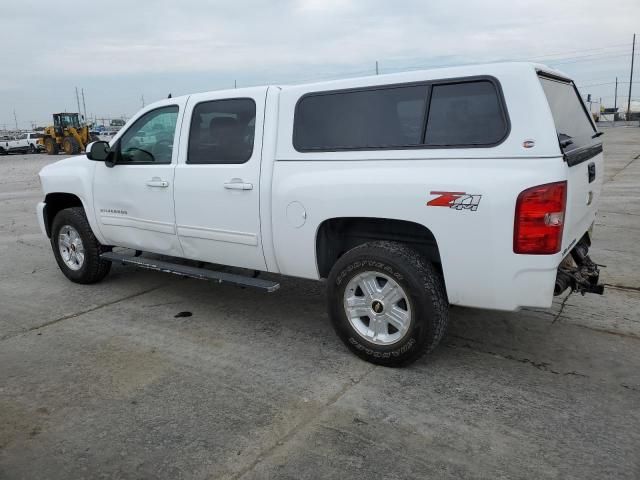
<point>34,145</point>
<point>11,145</point>
<point>474,186</point>
<point>107,135</point>
<point>22,143</point>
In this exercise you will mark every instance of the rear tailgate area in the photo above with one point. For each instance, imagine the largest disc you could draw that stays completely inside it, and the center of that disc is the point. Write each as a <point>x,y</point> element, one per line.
<point>582,149</point>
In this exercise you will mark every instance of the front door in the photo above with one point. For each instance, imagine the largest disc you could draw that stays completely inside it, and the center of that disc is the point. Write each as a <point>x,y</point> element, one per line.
<point>133,199</point>
<point>217,179</point>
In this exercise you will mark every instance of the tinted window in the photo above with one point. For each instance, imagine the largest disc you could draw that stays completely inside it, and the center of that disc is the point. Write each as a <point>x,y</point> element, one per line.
<point>222,131</point>
<point>150,138</point>
<point>376,118</point>
<point>467,113</point>
<point>572,123</point>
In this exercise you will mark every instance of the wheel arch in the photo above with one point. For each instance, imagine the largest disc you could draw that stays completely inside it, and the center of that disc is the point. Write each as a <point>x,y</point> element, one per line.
<point>55,202</point>
<point>335,236</point>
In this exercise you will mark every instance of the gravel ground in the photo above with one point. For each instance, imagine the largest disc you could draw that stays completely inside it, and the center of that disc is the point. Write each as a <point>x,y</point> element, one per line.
<point>108,381</point>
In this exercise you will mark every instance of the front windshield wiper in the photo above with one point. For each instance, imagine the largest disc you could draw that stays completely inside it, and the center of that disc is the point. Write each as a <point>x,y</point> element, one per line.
<point>597,134</point>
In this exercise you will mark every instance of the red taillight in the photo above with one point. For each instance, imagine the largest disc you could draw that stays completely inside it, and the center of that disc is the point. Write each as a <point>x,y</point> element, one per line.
<point>540,219</point>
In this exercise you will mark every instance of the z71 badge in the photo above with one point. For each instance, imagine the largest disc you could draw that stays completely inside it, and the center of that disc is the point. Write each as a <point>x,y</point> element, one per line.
<point>457,200</point>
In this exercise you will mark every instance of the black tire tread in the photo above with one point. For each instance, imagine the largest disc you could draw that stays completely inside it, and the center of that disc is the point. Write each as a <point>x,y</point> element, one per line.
<point>96,268</point>
<point>431,281</point>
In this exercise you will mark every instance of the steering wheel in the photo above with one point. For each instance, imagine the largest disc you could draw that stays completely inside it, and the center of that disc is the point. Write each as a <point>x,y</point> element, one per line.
<point>132,149</point>
<point>162,148</point>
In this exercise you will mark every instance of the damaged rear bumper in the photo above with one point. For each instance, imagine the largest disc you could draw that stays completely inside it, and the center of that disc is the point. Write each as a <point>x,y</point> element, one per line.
<point>578,272</point>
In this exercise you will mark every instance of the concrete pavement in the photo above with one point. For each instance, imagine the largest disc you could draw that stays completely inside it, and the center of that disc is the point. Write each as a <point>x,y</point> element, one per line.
<point>108,381</point>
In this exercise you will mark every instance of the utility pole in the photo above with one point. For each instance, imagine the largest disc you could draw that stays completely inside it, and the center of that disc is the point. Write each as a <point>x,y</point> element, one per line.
<point>615,97</point>
<point>142,97</point>
<point>78,100</point>
<point>15,119</point>
<point>633,54</point>
<point>235,84</point>
<point>84,107</point>
<point>377,72</point>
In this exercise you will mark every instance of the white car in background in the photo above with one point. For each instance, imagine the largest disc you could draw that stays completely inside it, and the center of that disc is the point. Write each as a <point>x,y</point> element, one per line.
<point>107,135</point>
<point>23,143</point>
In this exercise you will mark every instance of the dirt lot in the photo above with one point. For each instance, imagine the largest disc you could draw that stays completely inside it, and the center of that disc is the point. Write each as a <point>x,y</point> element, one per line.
<point>106,381</point>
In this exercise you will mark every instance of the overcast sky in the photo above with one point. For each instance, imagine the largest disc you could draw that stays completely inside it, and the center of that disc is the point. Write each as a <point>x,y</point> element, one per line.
<point>120,50</point>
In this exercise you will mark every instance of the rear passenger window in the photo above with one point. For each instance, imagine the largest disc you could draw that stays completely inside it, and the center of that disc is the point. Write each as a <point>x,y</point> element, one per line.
<point>460,114</point>
<point>375,118</point>
<point>464,114</point>
<point>222,131</point>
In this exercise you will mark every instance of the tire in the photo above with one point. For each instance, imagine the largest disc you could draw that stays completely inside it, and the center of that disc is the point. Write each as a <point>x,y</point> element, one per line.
<point>32,148</point>
<point>2,151</point>
<point>92,269</point>
<point>423,302</point>
<point>51,146</point>
<point>70,146</point>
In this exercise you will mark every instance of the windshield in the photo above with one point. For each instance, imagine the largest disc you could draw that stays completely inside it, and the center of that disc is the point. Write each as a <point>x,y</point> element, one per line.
<point>573,125</point>
<point>69,120</point>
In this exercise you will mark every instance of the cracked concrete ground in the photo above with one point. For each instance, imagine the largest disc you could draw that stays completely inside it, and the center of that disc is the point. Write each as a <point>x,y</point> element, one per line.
<point>105,381</point>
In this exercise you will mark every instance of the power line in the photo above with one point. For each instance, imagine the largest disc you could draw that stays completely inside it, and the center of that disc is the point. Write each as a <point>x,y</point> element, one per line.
<point>600,84</point>
<point>580,51</point>
<point>589,59</point>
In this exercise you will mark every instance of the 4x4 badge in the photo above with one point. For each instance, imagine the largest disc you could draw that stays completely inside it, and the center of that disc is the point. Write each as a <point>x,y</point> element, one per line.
<point>457,200</point>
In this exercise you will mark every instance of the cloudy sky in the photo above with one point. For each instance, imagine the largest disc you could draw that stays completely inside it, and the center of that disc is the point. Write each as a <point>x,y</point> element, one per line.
<point>121,50</point>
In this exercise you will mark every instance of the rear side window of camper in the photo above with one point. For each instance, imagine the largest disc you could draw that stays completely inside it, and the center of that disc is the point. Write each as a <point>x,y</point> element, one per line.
<point>573,125</point>
<point>461,114</point>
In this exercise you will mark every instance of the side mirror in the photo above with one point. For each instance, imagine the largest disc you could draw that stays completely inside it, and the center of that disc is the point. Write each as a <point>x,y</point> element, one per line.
<point>98,151</point>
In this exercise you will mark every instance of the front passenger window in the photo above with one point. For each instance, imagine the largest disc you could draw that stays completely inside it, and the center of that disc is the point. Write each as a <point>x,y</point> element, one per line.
<point>150,138</point>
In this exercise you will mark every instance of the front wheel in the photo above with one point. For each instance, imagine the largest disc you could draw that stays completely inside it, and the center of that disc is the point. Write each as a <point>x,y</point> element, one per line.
<point>70,145</point>
<point>51,146</point>
<point>76,249</point>
<point>387,303</point>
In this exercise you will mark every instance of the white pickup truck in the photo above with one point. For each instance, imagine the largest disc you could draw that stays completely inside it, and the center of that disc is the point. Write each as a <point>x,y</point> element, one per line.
<point>23,143</point>
<point>474,186</point>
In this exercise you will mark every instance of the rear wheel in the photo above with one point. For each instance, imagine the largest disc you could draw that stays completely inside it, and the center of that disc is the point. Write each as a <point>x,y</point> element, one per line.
<point>2,151</point>
<point>387,303</point>
<point>76,249</point>
<point>70,146</point>
<point>51,146</point>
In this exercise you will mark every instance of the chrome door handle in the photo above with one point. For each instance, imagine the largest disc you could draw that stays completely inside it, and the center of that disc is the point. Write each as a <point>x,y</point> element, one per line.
<point>156,182</point>
<point>238,184</point>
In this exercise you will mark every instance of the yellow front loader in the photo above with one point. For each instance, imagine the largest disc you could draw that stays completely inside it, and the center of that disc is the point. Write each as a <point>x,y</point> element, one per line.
<point>66,134</point>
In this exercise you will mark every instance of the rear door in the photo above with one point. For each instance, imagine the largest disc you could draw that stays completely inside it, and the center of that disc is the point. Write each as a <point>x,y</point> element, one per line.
<point>217,181</point>
<point>582,149</point>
